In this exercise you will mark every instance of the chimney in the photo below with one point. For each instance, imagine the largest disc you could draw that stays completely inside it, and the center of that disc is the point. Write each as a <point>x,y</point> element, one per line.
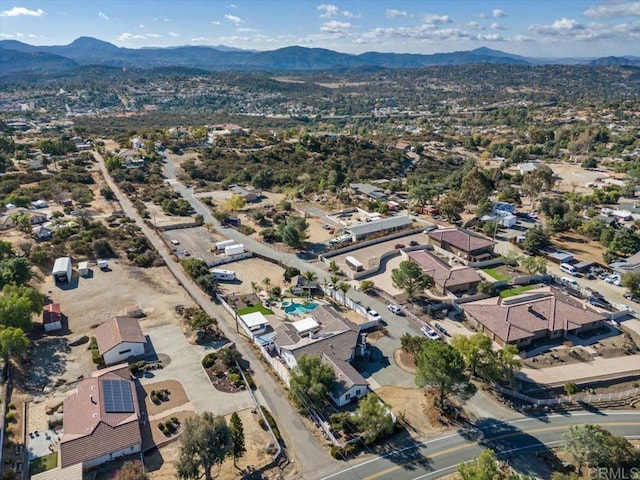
<point>92,400</point>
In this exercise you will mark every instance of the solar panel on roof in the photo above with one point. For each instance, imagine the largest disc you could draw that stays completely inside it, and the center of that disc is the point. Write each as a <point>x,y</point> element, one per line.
<point>117,397</point>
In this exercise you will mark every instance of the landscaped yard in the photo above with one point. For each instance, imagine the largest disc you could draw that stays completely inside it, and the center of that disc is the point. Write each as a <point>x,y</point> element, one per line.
<point>42,464</point>
<point>258,307</point>
<point>512,292</point>
<point>495,273</point>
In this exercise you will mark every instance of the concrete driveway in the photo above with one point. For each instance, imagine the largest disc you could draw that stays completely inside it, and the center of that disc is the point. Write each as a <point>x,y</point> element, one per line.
<point>185,367</point>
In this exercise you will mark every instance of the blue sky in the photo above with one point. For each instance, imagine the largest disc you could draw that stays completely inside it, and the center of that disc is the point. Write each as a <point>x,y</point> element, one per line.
<point>542,28</point>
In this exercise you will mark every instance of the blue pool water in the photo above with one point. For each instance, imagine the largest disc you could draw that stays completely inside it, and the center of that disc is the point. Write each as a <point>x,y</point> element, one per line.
<point>298,308</point>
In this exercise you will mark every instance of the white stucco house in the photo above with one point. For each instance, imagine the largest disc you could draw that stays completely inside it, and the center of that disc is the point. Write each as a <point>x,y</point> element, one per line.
<point>119,339</point>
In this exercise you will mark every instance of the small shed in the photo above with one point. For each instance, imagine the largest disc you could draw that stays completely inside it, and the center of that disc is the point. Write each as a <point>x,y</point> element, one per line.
<point>83,269</point>
<point>52,317</point>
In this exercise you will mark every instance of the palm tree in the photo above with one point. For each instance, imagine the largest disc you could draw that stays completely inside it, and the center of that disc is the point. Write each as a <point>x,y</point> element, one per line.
<point>255,288</point>
<point>291,292</point>
<point>335,280</point>
<point>266,281</point>
<point>309,278</point>
<point>344,288</point>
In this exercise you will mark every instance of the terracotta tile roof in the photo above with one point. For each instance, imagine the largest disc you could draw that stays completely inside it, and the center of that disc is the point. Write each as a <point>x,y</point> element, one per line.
<point>117,330</point>
<point>89,430</point>
<point>543,309</point>
<point>51,313</point>
<point>461,239</point>
<point>443,274</point>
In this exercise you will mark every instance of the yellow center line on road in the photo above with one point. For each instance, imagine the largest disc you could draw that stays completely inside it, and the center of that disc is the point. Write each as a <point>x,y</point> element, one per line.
<point>475,444</point>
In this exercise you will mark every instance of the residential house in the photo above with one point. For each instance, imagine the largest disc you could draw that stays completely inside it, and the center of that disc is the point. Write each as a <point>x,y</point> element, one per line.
<point>8,221</point>
<point>466,245</point>
<point>537,315</point>
<point>250,195</point>
<point>630,264</point>
<point>527,167</point>
<point>361,231</point>
<point>119,339</point>
<point>301,285</point>
<point>101,419</point>
<point>456,279</point>
<point>336,340</point>
<point>51,317</point>
<point>369,191</point>
<point>42,233</point>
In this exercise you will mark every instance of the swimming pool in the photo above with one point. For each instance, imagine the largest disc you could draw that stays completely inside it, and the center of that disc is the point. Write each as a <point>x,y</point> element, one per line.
<point>293,308</point>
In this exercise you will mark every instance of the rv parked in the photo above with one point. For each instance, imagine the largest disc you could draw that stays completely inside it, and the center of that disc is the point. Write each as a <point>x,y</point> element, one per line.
<point>221,274</point>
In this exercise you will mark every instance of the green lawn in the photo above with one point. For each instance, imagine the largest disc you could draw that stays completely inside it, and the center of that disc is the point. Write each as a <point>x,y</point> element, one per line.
<point>256,308</point>
<point>495,273</point>
<point>512,292</point>
<point>42,464</point>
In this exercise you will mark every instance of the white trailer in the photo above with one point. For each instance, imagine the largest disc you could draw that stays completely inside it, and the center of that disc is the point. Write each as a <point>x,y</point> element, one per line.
<point>222,274</point>
<point>83,269</point>
<point>354,264</point>
<point>220,246</point>
<point>234,249</point>
<point>62,269</point>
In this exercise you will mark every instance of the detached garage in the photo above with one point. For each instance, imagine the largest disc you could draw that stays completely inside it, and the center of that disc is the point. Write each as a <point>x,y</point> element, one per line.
<point>52,317</point>
<point>119,339</point>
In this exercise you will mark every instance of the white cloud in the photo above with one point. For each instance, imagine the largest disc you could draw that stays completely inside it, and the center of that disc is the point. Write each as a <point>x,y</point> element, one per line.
<point>496,26</point>
<point>31,35</point>
<point>103,16</point>
<point>199,39</point>
<point>18,34</point>
<point>570,29</point>
<point>234,19</point>
<point>493,37</point>
<point>232,5</point>
<point>6,35</point>
<point>421,32</point>
<point>608,10</point>
<point>335,26</point>
<point>482,15</point>
<point>165,19</point>
<point>22,12</point>
<point>174,34</point>
<point>216,22</point>
<point>246,29</point>
<point>474,26</point>
<point>437,19</point>
<point>497,13</point>
<point>125,37</point>
<point>523,38</point>
<point>391,13</point>
<point>154,35</point>
<point>330,11</point>
<point>142,25</point>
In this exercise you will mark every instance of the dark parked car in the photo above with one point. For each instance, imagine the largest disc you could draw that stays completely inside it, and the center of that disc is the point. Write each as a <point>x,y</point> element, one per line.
<point>599,301</point>
<point>398,246</point>
<point>442,329</point>
<point>413,243</point>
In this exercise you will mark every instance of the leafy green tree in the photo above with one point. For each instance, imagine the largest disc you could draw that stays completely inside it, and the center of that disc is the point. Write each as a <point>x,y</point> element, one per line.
<point>483,467</point>
<point>477,352</point>
<point>310,382</point>
<point>6,250</point>
<point>451,207</point>
<point>593,446</point>
<point>235,202</point>
<point>205,441</point>
<point>14,270</point>
<point>536,239</point>
<point>238,447</point>
<point>593,228</point>
<point>294,231</point>
<point>625,241</point>
<point>534,265</point>
<point>441,366</point>
<point>476,186</point>
<point>194,267</point>
<point>373,419</point>
<point>17,304</point>
<point>570,388</point>
<point>13,342</point>
<point>410,278</point>
<point>631,280</point>
<point>366,285</point>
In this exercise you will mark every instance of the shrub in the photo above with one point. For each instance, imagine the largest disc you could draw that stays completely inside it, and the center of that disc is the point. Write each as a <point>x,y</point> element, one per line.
<point>272,423</point>
<point>175,420</point>
<point>154,398</point>
<point>250,381</point>
<point>12,406</point>
<point>10,417</point>
<point>235,378</point>
<point>341,453</point>
<point>93,344</point>
<point>161,427</point>
<point>97,358</point>
<point>209,360</point>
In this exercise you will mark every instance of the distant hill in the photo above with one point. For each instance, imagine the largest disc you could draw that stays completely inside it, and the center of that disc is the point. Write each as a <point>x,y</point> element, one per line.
<point>91,51</point>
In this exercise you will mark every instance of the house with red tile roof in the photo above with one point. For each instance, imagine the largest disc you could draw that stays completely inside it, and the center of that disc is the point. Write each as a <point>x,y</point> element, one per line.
<point>455,279</point>
<point>119,339</point>
<point>101,419</point>
<point>541,314</point>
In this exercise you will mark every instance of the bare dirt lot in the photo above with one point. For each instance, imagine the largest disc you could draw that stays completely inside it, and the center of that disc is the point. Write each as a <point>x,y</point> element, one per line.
<point>252,270</point>
<point>85,304</point>
<point>580,246</point>
<point>196,240</point>
<point>575,178</point>
<point>160,463</point>
<point>161,219</point>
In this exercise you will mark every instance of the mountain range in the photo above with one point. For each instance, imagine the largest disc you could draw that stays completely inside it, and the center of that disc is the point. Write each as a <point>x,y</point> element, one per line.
<point>17,57</point>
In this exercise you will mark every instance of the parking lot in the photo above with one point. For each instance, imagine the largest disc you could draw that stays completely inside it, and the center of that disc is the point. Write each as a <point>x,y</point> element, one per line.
<point>196,241</point>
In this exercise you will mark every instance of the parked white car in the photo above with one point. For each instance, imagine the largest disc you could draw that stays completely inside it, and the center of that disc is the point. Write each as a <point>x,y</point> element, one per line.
<point>430,333</point>
<point>615,279</point>
<point>393,308</point>
<point>373,315</point>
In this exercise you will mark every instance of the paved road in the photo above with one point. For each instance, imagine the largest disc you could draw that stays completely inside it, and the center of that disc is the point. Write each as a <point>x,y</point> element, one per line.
<point>301,445</point>
<point>512,441</point>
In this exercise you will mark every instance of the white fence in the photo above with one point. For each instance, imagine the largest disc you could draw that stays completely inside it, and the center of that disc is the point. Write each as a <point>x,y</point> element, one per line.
<point>584,398</point>
<point>229,259</point>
